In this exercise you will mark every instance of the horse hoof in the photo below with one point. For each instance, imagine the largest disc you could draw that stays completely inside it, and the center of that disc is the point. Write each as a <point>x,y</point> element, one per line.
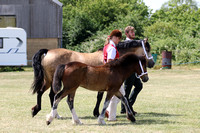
<point>58,116</point>
<point>49,119</point>
<point>95,113</point>
<point>35,110</point>
<point>101,121</point>
<point>32,113</point>
<point>131,117</point>
<point>77,122</point>
<point>47,122</point>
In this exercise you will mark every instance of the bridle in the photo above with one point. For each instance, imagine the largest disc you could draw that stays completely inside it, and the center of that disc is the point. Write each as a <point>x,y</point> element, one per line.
<point>145,52</point>
<point>149,58</point>
<point>143,73</point>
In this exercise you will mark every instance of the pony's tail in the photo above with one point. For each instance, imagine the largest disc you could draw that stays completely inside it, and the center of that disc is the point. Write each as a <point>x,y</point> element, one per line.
<point>38,70</point>
<point>58,78</point>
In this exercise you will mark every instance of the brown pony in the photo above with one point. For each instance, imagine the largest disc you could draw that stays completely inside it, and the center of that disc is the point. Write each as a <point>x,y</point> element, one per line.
<point>44,66</point>
<point>108,77</point>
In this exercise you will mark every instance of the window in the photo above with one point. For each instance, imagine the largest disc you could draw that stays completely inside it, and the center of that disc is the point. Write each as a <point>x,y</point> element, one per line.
<point>1,42</point>
<point>7,21</point>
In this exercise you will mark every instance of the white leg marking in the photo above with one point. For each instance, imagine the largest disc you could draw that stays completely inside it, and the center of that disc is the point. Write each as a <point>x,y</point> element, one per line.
<point>57,116</point>
<point>75,119</point>
<point>51,116</point>
<point>101,120</point>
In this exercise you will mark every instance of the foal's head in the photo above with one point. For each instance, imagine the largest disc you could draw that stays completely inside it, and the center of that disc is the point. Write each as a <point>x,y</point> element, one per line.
<point>130,62</point>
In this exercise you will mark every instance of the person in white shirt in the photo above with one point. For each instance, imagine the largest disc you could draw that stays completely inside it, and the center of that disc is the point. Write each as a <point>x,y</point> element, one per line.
<point>111,53</point>
<point>132,80</point>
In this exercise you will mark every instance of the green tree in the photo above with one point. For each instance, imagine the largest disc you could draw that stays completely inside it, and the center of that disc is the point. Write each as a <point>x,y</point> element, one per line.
<point>83,19</point>
<point>176,3</point>
<point>181,21</point>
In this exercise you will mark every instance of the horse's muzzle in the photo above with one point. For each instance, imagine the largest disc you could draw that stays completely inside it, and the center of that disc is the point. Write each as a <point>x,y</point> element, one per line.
<point>151,63</point>
<point>145,78</point>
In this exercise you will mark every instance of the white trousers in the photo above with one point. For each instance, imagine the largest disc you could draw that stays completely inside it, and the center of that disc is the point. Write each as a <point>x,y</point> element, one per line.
<point>112,107</point>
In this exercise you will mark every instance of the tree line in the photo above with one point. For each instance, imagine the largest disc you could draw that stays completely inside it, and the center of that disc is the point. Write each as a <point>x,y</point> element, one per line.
<point>175,27</point>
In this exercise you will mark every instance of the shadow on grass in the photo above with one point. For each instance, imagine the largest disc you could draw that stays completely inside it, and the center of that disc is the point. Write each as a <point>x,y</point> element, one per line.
<point>108,123</point>
<point>141,119</point>
<point>152,114</point>
<point>64,118</point>
<point>151,122</point>
<point>85,117</point>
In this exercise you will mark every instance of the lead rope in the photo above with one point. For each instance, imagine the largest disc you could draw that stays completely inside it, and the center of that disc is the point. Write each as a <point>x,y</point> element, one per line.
<point>143,73</point>
<point>146,51</point>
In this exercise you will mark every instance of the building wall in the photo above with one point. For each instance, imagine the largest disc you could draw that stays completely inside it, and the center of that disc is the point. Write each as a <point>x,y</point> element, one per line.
<point>13,2</point>
<point>40,43</point>
<point>41,19</point>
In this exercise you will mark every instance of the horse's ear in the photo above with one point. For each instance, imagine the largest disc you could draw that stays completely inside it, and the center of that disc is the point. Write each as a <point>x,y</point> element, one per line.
<point>147,44</point>
<point>145,40</point>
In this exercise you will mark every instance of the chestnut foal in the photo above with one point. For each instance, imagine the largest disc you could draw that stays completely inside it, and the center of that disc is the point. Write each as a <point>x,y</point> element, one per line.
<point>108,77</point>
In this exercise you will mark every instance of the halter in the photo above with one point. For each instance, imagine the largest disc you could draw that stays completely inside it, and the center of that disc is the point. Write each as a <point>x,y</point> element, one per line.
<point>146,52</point>
<point>143,73</point>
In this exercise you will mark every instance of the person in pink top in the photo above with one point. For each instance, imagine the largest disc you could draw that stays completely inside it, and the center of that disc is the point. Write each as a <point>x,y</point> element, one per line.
<point>110,53</point>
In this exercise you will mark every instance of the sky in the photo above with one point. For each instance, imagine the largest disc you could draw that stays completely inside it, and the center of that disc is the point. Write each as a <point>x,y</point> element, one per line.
<point>156,4</point>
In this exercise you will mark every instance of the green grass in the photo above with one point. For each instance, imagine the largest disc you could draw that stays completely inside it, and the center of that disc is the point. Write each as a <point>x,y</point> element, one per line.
<point>169,102</point>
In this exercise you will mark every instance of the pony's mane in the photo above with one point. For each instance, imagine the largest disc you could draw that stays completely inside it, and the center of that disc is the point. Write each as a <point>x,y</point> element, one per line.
<point>130,44</point>
<point>126,59</point>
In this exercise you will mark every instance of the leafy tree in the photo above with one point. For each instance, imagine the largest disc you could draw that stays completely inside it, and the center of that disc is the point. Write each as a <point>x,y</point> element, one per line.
<point>176,28</point>
<point>69,2</point>
<point>83,19</point>
<point>176,3</point>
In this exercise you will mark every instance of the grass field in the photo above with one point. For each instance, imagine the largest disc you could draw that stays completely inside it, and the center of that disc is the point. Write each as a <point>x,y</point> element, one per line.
<point>169,102</point>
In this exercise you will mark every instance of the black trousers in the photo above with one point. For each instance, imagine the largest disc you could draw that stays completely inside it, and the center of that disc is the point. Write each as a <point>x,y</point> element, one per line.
<point>128,84</point>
